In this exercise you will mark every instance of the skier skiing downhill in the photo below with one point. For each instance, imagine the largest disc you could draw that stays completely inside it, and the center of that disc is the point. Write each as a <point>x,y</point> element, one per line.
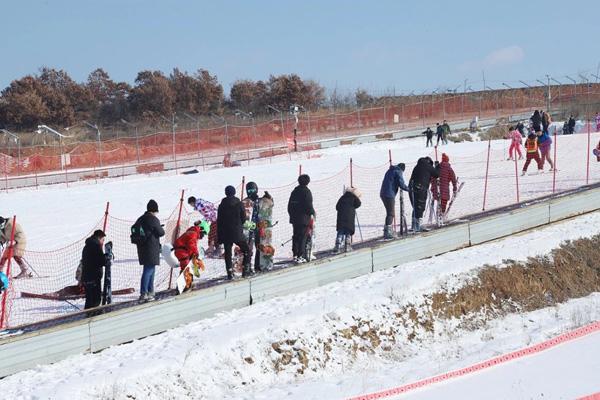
<point>515,143</point>
<point>20,242</point>
<point>209,213</point>
<point>186,245</point>
<point>230,219</point>
<point>301,212</point>
<point>418,185</point>
<point>93,260</point>
<point>392,181</point>
<point>346,216</point>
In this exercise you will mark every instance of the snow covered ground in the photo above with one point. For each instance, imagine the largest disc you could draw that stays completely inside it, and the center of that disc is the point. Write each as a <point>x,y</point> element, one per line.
<point>235,355</point>
<point>57,218</point>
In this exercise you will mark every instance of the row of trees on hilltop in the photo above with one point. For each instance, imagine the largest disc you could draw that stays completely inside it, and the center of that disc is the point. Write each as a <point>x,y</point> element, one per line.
<point>53,97</point>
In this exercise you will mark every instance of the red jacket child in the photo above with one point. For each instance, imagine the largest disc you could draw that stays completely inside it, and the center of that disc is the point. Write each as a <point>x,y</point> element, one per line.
<point>186,245</point>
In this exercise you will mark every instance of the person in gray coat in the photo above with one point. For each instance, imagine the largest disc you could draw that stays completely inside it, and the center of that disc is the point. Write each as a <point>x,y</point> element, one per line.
<point>149,248</point>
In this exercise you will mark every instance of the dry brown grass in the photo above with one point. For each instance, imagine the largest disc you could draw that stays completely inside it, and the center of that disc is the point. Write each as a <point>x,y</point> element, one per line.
<point>494,133</point>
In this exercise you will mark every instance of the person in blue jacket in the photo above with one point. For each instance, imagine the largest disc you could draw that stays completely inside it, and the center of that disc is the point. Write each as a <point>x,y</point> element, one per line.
<point>392,181</point>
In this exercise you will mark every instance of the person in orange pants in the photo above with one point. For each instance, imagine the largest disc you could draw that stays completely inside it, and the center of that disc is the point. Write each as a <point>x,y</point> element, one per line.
<point>531,145</point>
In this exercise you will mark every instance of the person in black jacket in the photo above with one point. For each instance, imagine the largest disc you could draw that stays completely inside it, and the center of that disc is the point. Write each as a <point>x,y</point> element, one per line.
<point>439,131</point>
<point>149,251</point>
<point>346,215</point>
<point>230,220</point>
<point>536,121</point>
<point>429,134</point>
<point>571,125</point>
<point>418,184</point>
<point>300,209</point>
<point>92,261</point>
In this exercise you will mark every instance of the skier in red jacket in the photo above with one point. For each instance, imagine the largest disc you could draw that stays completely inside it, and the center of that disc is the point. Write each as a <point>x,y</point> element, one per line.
<point>186,245</point>
<point>447,176</point>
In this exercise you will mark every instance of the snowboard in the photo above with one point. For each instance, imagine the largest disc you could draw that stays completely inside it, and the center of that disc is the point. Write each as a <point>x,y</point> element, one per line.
<point>265,233</point>
<point>186,277</point>
<point>70,293</point>
<point>310,241</point>
<point>107,288</point>
<point>248,231</point>
<point>452,200</point>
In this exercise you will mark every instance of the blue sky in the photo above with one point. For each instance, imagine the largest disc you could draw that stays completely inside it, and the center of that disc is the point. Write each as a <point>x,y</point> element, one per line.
<point>376,45</point>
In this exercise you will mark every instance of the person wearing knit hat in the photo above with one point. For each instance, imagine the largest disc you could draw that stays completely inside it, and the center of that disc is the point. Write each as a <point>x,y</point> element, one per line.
<point>346,216</point>
<point>301,212</point>
<point>230,220</point>
<point>146,234</point>
<point>447,177</point>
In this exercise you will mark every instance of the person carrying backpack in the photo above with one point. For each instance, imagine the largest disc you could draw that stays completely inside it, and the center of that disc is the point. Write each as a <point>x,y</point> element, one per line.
<point>146,234</point>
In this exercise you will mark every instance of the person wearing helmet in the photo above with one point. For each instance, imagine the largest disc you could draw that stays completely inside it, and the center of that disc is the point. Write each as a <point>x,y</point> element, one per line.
<point>20,242</point>
<point>251,204</point>
<point>186,245</point>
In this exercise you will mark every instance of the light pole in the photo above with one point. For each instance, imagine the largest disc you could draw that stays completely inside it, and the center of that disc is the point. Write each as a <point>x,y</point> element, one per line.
<point>547,93</point>
<point>46,128</point>
<point>574,82</point>
<point>559,91</point>
<point>251,118</point>
<point>197,121</point>
<point>173,126</point>
<point>280,116</point>
<point>513,95</point>
<point>528,86</point>
<point>137,138</point>
<point>18,142</point>
<point>496,96</point>
<point>224,121</point>
<point>95,127</point>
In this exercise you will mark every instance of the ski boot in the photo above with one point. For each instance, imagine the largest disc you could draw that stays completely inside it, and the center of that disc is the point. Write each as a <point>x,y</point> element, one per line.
<point>388,232</point>
<point>230,274</point>
<point>348,244</point>
<point>338,244</point>
<point>247,271</point>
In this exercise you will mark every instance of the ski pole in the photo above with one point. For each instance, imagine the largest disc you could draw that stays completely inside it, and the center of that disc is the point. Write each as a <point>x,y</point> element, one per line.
<point>286,242</point>
<point>359,229</point>
<point>31,267</point>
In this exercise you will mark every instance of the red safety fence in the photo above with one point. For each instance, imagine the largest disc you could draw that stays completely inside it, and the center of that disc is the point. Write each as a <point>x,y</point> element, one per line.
<point>496,361</point>
<point>491,181</point>
<point>272,135</point>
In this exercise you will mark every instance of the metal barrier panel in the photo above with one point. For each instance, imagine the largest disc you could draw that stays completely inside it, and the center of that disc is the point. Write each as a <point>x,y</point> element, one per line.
<point>27,351</point>
<point>575,204</point>
<point>152,318</point>
<point>502,225</point>
<point>418,247</point>
<point>311,276</point>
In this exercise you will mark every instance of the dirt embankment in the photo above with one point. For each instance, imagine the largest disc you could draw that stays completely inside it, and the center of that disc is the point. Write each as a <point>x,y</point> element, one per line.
<point>394,330</point>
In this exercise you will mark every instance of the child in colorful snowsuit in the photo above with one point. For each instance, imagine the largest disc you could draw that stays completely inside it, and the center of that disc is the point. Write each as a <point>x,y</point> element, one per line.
<point>531,145</point>
<point>346,215</point>
<point>515,144</point>
<point>209,213</point>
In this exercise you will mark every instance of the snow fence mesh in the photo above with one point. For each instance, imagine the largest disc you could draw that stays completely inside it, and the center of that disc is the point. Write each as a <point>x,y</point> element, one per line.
<point>54,270</point>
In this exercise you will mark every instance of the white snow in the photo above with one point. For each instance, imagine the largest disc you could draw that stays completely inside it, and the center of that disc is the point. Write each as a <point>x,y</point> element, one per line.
<point>205,359</point>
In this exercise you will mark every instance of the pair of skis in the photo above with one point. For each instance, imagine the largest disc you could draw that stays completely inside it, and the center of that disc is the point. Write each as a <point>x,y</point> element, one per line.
<point>435,207</point>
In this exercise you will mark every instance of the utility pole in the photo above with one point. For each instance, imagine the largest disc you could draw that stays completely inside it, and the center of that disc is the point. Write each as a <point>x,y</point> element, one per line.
<point>137,139</point>
<point>95,127</point>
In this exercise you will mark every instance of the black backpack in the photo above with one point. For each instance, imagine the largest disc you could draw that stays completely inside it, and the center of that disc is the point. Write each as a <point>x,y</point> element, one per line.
<point>139,234</point>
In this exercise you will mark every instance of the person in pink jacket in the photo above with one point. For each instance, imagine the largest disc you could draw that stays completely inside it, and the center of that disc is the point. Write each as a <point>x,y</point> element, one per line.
<point>515,143</point>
